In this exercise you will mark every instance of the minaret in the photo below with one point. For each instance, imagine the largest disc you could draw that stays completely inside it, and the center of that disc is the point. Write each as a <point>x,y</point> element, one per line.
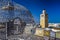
<point>44,19</point>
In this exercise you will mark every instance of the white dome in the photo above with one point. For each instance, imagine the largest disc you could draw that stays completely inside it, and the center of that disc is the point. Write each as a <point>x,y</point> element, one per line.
<point>10,10</point>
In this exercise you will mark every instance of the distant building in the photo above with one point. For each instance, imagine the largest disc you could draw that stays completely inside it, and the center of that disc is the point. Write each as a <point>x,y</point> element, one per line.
<point>54,25</point>
<point>44,19</point>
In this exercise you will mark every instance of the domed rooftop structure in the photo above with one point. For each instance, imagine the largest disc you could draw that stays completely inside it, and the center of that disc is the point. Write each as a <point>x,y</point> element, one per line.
<point>10,10</point>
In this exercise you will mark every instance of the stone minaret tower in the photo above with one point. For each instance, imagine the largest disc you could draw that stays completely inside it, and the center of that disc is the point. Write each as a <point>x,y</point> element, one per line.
<point>44,19</point>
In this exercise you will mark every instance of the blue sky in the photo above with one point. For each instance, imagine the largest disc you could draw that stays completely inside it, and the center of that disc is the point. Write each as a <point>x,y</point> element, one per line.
<point>36,6</point>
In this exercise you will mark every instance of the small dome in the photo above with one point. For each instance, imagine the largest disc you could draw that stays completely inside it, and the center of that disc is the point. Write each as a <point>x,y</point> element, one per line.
<point>44,11</point>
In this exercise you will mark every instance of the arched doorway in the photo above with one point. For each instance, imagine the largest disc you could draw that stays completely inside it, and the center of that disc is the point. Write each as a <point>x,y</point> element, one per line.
<point>17,25</point>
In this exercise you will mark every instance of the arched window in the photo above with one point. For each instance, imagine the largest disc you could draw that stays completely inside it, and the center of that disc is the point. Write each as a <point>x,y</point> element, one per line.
<point>17,21</point>
<point>17,25</point>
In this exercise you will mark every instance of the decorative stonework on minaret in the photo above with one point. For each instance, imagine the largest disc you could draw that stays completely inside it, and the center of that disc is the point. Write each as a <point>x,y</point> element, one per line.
<point>44,19</point>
